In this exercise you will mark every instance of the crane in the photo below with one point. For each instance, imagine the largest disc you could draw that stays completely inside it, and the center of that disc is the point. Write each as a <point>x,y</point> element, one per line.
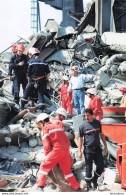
<point>35,16</point>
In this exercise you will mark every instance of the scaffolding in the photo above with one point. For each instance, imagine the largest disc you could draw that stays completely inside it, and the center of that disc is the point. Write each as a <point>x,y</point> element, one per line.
<point>35,16</point>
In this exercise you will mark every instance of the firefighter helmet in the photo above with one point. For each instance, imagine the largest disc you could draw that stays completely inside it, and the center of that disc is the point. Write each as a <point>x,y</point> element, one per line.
<point>35,51</point>
<point>20,47</point>
<point>66,78</point>
<point>30,50</point>
<point>61,111</point>
<point>122,89</point>
<point>41,117</point>
<point>14,49</point>
<point>91,91</point>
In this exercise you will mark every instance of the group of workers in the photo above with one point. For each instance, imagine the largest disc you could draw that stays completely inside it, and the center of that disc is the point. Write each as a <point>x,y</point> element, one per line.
<point>56,147</point>
<point>33,73</point>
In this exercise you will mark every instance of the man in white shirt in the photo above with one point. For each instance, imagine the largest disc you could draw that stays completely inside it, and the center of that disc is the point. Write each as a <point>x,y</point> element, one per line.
<point>76,84</point>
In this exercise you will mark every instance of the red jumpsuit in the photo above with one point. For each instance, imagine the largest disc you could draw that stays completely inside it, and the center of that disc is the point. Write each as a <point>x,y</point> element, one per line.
<point>56,149</point>
<point>66,101</point>
<point>95,104</point>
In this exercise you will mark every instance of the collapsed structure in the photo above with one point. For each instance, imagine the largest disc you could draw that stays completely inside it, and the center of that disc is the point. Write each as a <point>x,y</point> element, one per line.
<point>60,47</point>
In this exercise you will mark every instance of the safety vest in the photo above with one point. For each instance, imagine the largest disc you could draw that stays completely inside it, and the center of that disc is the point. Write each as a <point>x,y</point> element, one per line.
<point>123,101</point>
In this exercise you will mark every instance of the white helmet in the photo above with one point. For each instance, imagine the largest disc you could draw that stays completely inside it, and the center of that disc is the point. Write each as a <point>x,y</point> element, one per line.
<point>42,117</point>
<point>66,78</point>
<point>30,50</point>
<point>91,91</point>
<point>61,111</point>
<point>35,50</point>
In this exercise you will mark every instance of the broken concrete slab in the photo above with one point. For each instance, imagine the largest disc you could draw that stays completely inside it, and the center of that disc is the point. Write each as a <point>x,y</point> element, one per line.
<point>77,120</point>
<point>29,116</point>
<point>111,176</point>
<point>104,79</point>
<point>46,52</point>
<point>114,38</point>
<point>113,91</point>
<point>85,50</point>
<point>64,32</point>
<point>52,26</point>
<point>62,56</point>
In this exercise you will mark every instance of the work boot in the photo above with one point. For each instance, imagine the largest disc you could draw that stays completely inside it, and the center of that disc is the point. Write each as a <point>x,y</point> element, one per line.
<point>89,187</point>
<point>94,181</point>
<point>23,104</point>
<point>39,189</point>
<point>52,186</point>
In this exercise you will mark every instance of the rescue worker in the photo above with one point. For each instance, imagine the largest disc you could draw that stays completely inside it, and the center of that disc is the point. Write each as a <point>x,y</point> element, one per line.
<point>14,51</point>
<point>34,93</point>
<point>123,100</point>
<point>56,149</point>
<point>65,99</point>
<point>60,114</point>
<point>90,129</point>
<point>18,64</point>
<point>37,74</point>
<point>76,84</point>
<point>95,104</point>
<point>30,52</point>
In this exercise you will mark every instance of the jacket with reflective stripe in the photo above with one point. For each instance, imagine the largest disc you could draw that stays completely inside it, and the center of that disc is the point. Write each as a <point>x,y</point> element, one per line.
<point>54,137</point>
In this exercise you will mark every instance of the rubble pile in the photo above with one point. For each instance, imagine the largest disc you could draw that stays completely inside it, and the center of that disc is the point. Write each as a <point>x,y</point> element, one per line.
<point>61,48</point>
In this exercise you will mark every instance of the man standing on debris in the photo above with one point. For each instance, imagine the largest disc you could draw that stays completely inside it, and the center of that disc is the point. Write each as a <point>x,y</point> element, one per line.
<point>14,51</point>
<point>123,100</point>
<point>18,64</point>
<point>37,74</point>
<point>76,84</point>
<point>56,148</point>
<point>95,104</point>
<point>90,129</point>
<point>66,101</point>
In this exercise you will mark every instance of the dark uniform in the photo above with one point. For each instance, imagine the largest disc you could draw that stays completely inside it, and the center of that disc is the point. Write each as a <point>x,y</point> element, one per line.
<point>19,74</point>
<point>37,71</point>
<point>92,150</point>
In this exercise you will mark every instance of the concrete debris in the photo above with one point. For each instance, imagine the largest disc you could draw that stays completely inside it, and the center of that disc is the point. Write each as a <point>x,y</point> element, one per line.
<point>111,176</point>
<point>61,48</point>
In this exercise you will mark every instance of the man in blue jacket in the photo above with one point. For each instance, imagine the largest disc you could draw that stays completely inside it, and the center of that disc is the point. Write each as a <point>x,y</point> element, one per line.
<point>18,65</point>
<point>37,75</point>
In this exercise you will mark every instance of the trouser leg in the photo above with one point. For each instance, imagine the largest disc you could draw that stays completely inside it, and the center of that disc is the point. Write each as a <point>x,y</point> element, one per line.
<point>70,107</point>
<point>65,165</point>
<point>81,100</point>
<point>26,94</point>
<point>89,164</point>
<point>64,103</point>
<point>16,90</point>
<point>41,93</point>
<point>48,163</point>
<point>98,159</point>
<point>24,83</point>
<point>76,101</point>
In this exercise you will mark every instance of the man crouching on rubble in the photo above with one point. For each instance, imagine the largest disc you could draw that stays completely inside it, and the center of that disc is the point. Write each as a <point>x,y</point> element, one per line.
<point>56,149</point>
<point>90,129</point>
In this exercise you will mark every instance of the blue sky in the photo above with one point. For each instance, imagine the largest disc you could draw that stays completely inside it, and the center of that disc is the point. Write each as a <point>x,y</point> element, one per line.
<point>15,20</point>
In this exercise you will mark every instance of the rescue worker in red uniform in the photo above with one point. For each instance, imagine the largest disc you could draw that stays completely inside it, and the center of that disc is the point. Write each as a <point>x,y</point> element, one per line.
<point>66,97</point>
<point>56,149</point>
<point>95,104</point>
<point>123,100</point>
